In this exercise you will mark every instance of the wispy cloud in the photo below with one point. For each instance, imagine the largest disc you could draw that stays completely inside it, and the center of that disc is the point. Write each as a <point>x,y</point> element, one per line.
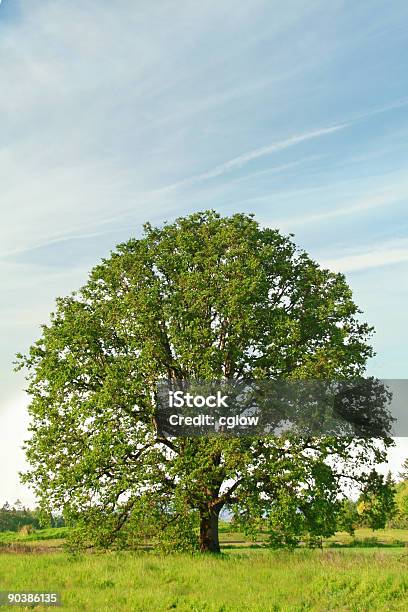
<point>243,159</point>
<point>51,241</point>
<point>280,145</point>
<point>381,109</point>
<point>377,199</point>
<point>384,254</point>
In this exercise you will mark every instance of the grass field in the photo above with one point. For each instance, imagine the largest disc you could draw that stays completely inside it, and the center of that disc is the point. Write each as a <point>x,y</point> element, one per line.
<point>372,575</point>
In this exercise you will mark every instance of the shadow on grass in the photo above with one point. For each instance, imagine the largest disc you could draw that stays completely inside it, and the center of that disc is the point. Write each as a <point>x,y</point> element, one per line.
<point>18,548</point>
<point>242,546</point>
<point>367,543</point>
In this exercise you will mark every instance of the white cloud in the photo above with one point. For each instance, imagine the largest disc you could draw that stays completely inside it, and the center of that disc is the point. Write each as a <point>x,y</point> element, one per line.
<point>274,147</point>
<point>244,158</point>
<point>366,203</point>
<point>385,254</point>
<point>14,421</point>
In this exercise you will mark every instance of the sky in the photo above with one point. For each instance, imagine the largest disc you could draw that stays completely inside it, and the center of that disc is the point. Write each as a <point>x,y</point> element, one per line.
<point>116,113</point>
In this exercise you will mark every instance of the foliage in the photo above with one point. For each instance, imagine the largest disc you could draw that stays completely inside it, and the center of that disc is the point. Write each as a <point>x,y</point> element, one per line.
<point>400,520</point>
<point>403,474</point>
<point>349,518</point>
<point>13,518</point>
<point>376,505</point>
<point>206,297</point>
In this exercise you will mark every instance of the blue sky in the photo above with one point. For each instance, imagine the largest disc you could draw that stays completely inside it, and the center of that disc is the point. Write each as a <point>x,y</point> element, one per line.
<point>114,113</point>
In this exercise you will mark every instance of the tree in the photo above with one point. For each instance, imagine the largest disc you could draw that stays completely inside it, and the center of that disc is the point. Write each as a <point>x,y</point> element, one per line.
<point>207,297</point>
<point>401,500</point>
<point>12,518</point>
<point>349,518</point>
<point>376,505</point>
<point>400,520</point>
<point>403,474</point>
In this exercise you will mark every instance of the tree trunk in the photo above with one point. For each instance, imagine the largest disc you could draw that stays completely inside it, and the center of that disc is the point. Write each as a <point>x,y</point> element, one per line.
<point>209,541</point>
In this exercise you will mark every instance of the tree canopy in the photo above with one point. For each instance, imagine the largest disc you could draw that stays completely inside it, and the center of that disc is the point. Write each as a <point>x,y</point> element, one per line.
<point>206,297</point>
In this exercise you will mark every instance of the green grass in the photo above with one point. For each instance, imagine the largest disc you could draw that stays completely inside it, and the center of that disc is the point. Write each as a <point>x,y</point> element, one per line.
<point>367,572</point>
<point>367,537</point>
<point>41,541</point>
<point>278,581</point>
<point>40,535</point>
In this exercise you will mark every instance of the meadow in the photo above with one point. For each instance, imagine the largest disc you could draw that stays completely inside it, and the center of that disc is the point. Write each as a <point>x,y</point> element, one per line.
<point>360,573</point>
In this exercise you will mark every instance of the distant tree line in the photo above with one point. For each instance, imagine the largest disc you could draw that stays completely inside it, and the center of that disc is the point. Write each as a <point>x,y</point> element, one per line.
<point>14,517</point>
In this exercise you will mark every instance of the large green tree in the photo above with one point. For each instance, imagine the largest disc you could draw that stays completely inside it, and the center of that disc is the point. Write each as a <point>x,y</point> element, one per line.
<point>207,297</point>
